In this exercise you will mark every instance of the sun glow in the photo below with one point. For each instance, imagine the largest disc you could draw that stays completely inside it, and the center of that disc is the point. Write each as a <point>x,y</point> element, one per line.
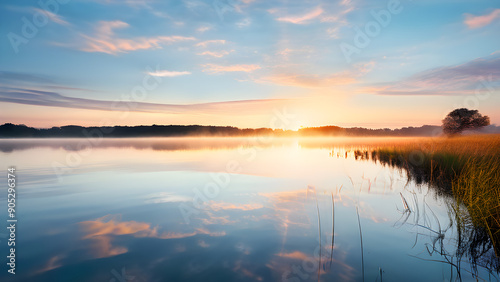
<point>296,127</point>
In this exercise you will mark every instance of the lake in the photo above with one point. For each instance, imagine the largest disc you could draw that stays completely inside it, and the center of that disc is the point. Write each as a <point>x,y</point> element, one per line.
<point>233,209</point>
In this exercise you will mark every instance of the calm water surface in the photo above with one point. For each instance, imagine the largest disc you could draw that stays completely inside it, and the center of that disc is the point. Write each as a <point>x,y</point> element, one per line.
<point>222,210</point>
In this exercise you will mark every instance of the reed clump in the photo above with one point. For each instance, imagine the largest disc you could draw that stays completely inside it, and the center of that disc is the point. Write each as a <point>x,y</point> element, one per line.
<point>467,167</point>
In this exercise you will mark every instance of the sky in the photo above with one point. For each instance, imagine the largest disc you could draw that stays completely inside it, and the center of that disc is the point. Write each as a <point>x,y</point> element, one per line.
<point>248,63</point>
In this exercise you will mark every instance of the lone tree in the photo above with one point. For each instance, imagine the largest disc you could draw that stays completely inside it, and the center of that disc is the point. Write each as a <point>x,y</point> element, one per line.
<point>461,119</point>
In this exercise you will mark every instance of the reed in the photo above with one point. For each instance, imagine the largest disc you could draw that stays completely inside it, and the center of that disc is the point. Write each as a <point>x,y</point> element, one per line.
<point>467,167</point>
<point>333,229</point>
<point>361,242</point>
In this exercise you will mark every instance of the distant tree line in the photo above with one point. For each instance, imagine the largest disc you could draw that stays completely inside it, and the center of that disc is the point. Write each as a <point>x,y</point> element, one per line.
<point>426,130</point>
<point>10,130</point>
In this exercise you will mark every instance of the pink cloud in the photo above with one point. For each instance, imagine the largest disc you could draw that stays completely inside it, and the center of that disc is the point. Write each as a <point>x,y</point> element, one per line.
<point>302,19</point>
<point>479,21</point>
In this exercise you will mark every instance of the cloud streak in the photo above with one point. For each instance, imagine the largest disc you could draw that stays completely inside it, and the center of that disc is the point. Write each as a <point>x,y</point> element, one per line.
<point>104,40</point>
<point>307,80</point>
<point>217,54</point>
<point>210,42</point>
<point>166,73</point>
<point>53,17</point>
<point>302,19</point>
<point>53,99</point>
<point>480,21</point>
<point>290,78</point>
<point>212,68</point>
<point>450,80</point>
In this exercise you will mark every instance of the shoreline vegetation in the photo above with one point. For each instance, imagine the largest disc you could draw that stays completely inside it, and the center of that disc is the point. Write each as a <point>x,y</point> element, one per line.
<point>9,130</point>
<point>465,167</point>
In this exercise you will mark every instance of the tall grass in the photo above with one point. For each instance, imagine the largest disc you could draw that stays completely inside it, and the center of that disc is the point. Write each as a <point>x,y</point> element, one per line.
<point>466,167</point>
<point>478,187</point>
<point>361,242</point>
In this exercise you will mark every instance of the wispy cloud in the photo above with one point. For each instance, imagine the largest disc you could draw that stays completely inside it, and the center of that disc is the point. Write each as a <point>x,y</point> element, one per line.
<point>289,53</point>
<point>194,4</point>
<point>288,77</point>
<point>337,16</point>
<point>244,23</point>
<point>231,68</point>
<point>131,3</point>
<point>307,80</point>
<point>303,18</point>
<point>294,255</point>
<point>473,21</point>
<point>103,231</point>
<point>104,40</point>
<point>333,32</point>
<point>166,73</point>
<point>147,5</point>
<point>54,99</point>
<point>53,17</point>
<point>210,42</point>
<point>216,206</point>
<point>449,80</point>
<point>203,28</point>
<point>217,54</point>
<point>213,45</point>
<point>26,78</point>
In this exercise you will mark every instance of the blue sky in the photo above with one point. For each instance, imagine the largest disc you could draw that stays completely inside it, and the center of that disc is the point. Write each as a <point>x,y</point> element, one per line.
<point>243,62</point>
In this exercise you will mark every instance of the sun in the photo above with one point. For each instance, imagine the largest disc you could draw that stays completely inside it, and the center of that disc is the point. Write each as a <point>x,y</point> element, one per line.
<point>295,127</point>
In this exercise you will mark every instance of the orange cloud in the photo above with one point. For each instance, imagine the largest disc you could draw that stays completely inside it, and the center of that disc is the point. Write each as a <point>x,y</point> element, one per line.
<point>294,255</point>
<point>104,40</point>
<point>104,229</point>
<point>479,21</point>
<point>100,227</point>
<point>302,19</point>
<point>227,206</point>
<point>53,263</point>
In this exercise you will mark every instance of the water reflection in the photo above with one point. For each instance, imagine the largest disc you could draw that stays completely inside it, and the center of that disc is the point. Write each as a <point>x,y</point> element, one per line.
<point>294,210</point>
<point>472,243</point>
<point>103,230</point>
<point>187,143</point>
